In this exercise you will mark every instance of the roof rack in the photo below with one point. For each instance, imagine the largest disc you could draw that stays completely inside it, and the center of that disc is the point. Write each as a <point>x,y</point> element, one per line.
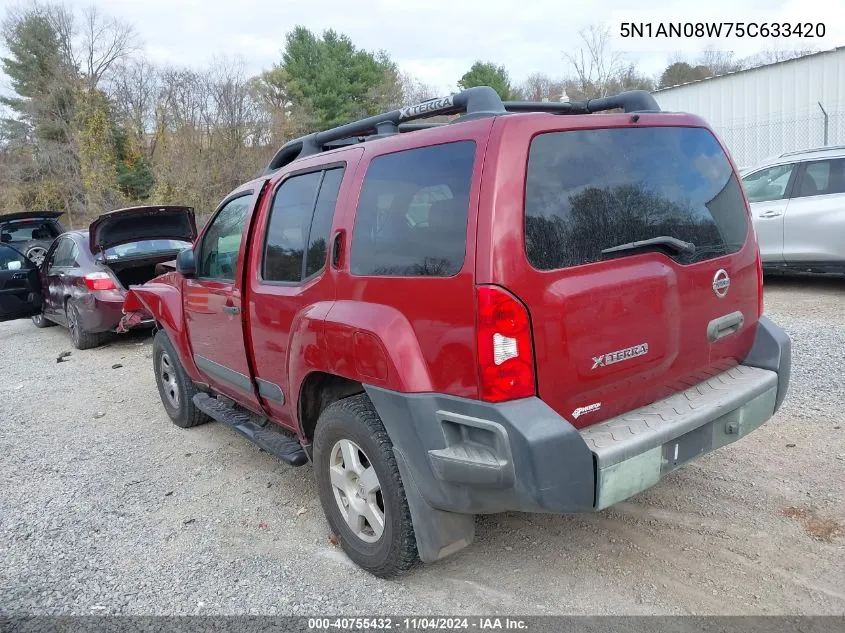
<point>812,150</point>
<point>473,103</point>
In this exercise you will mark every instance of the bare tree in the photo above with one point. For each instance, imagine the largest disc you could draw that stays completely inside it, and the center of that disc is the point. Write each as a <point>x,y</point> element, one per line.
<point>133,88</point>
<point>62,20</point>
<point>236,112</point>
<point>773,56</point>
<point>595,65</point>
<point>541,87</point>
<point>414,90</point>
<point>105,41</point>
<point>719,62</point>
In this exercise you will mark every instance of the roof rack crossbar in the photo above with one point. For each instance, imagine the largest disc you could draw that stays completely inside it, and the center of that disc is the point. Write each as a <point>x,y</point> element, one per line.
<point>630,101</point>
<point>812,150</point>
<point>478,101</point>
<point>481,101</point>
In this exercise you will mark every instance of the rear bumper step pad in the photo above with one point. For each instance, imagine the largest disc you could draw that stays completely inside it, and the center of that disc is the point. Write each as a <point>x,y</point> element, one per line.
<point>634,450</point>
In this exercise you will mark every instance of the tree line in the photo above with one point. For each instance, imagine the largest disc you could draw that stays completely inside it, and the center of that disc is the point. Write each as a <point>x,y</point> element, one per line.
<point>93,125</point>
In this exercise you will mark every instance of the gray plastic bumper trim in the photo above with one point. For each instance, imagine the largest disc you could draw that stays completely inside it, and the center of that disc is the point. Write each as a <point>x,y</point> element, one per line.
<point>638,431</point>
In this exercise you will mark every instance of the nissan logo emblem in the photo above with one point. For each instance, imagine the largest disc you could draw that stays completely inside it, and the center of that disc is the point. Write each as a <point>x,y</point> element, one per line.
<point>721,282</point>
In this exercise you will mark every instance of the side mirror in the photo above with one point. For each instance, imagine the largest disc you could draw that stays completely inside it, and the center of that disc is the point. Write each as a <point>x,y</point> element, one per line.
<point>185,264</point>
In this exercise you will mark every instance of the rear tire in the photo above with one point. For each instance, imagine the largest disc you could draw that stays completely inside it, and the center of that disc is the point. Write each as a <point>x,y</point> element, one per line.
<point>40,321</point>
<point>80,338</point>
<point>175,387</point>
<point>361,490</point>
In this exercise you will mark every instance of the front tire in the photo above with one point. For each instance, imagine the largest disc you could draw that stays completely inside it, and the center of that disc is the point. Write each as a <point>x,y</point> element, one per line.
<point>361,490</point>
<point>175,387</point>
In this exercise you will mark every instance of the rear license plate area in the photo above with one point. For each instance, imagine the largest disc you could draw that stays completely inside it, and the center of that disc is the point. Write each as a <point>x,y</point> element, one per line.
<point>687,447</point>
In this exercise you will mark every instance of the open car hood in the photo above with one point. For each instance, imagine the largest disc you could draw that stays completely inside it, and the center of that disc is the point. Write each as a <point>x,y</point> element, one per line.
<point>141,223</point>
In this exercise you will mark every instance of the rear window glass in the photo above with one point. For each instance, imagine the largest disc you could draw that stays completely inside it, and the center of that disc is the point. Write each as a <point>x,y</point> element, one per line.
<point>589,190</point>
<point>36,230</point>
<point>412,214</point>
<point>145,247</point>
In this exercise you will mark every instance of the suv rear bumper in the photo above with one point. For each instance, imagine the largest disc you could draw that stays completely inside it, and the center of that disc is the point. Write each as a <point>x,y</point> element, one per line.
<point>473,457</point>
<point>633,451</point>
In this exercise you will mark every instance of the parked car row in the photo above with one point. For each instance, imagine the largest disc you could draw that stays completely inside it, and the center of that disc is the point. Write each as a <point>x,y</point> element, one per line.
<point>81,278</point>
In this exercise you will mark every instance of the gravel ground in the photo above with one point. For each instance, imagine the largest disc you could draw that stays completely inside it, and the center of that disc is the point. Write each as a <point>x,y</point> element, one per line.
<point>107,507</point>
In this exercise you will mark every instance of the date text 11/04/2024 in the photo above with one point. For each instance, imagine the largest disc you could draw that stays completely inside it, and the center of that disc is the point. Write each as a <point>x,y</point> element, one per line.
<point>419,623</point>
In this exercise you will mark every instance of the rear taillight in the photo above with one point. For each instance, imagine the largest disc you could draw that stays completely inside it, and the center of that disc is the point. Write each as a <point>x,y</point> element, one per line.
<point>505,351</point>
<point>99,281</point>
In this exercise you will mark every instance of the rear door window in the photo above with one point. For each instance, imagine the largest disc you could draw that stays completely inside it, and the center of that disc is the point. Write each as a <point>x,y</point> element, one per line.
<point>821,178</point>
<point>412,213</point>
<point>321,224</point>
<point>64,255</point>
<point>590,190</point>
<point>300,222</point>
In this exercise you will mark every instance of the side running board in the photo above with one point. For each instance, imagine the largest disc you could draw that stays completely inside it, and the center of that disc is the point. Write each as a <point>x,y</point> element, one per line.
<point>286,447</point>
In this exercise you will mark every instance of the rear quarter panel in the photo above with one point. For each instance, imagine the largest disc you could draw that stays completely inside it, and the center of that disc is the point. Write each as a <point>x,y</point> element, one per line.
<point>410,334</point>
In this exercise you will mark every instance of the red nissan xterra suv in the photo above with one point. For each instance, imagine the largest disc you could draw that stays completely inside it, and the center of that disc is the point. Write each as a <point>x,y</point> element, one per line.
<point>529,308</point>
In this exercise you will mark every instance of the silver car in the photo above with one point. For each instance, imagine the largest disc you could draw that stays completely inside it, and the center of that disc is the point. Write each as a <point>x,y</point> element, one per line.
<point>798,207</point>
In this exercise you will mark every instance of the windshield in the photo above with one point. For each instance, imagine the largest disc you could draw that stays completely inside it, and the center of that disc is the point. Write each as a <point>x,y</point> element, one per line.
<point>590,190</point>
<point>145,248</point>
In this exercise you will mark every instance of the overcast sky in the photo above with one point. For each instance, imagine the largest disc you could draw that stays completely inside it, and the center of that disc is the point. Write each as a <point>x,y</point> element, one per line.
<point>436,40</point>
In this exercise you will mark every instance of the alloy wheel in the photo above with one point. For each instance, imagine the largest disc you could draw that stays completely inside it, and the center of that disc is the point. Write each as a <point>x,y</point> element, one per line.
<point>36,255</point>
<point>72,323</point>
<point>169,382</point>
<point>357,490</point>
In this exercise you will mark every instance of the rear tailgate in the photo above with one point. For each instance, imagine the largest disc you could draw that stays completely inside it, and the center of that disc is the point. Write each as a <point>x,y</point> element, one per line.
<point>615,331</point>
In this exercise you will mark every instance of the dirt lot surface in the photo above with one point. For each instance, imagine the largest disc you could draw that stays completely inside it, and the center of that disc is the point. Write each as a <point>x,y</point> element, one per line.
<point>107,507</point>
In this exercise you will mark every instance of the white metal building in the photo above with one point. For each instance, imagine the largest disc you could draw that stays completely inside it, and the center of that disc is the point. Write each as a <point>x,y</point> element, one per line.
<point>771,109</point>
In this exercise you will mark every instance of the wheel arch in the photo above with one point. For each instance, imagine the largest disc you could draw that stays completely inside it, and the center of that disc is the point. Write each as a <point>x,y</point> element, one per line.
<point>318,390</point>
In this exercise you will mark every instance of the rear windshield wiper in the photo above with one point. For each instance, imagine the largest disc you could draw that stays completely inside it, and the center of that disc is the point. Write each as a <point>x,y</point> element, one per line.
<point>660,242</point>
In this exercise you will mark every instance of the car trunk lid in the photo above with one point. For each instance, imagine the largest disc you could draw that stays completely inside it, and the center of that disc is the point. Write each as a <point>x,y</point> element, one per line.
<point>618,328</point>
<point>141,223</point>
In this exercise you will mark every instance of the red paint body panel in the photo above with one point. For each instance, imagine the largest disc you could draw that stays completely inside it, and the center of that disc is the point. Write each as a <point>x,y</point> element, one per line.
<point>406,370</point>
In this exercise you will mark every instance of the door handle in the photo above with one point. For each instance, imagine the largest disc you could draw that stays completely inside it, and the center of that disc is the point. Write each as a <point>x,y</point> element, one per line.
<point>337,249</point>
<point>231,309</point>
<point>724,326</point>
<point>771,214</point>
